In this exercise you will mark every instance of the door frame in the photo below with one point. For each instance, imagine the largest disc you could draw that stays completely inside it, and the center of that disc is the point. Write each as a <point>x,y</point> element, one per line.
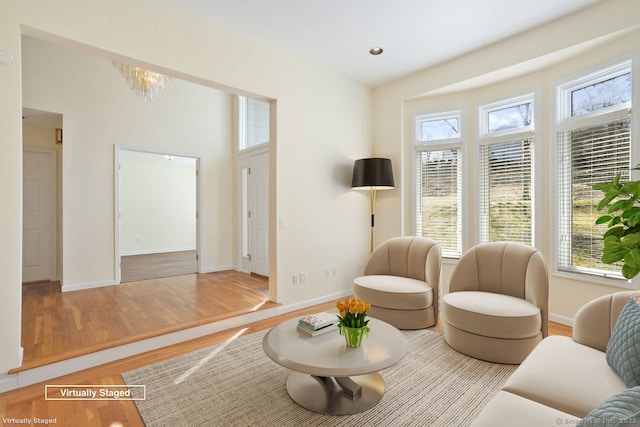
<point>116,203</point>
<point>54,274</point>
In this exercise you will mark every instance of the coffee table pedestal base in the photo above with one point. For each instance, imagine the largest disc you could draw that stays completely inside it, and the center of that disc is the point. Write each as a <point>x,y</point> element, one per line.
<point>335,396</point>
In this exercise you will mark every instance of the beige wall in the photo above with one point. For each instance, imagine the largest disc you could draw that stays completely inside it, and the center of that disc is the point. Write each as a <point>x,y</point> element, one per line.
<point>533,62</point>
<point>99,112</point>
<point>323,125</point>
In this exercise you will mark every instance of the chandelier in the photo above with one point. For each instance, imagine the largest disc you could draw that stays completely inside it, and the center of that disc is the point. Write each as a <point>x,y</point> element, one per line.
<point>146,84</point>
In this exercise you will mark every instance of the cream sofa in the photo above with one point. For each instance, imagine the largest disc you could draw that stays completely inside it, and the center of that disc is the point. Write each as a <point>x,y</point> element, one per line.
<point>562,379</point>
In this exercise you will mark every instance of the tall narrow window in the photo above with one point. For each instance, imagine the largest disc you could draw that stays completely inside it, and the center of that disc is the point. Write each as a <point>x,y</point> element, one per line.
<point>244,209</point>
<point>438,181</point>
<point>506,171</point>
<point>594,144</point>
<point>506,195</point>
<point>253,122</point>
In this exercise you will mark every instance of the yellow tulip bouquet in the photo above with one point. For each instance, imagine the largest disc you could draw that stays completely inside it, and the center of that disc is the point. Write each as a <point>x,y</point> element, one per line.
<point>353,315</point>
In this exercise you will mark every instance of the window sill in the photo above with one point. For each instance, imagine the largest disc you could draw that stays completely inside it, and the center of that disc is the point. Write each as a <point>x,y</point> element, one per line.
<point>598,280</point>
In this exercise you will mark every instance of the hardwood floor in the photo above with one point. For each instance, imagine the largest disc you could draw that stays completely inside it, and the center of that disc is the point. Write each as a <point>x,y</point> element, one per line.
<point>29,402</point>
<point>152,266</point>
<point>58,326</point>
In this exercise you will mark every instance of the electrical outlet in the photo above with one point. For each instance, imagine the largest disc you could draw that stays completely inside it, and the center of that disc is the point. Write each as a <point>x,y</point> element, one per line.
<point>296,279</point>
<point>303,278</point>
<point>334,272</point>
<point>327,273</point>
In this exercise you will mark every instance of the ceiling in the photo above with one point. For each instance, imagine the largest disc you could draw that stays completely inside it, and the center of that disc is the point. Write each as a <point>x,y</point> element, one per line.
<point>415,34</point>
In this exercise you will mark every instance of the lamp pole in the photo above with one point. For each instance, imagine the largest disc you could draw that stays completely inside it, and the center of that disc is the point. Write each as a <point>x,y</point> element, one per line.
<point>373,221</point>
<point>372,174</point>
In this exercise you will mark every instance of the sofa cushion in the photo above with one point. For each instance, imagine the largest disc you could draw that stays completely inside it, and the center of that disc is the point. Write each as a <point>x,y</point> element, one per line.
<point>623,349</point>
<point>622,409</point>
<point>394,292</point>
<point>565,375</point>
<point>492,315</point>
<point>507,410</point>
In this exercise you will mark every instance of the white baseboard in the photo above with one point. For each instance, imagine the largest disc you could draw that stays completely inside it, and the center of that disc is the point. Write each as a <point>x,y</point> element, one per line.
<point>216,269</point>
<point>563,320</point>
<point>89,285</point>
<point>156,251</point>
<point>64,367</point>
<point>8,382</point>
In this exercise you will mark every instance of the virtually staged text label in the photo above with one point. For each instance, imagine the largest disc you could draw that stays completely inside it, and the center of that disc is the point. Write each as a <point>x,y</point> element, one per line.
<point>30,421</point>
<point>95,392</point>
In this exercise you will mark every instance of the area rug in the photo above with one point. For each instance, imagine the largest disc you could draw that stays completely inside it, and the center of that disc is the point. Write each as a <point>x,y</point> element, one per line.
<point>236,384</point>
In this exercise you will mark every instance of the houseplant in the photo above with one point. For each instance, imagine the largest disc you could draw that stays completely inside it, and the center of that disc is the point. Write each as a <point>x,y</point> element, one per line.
<point>352,321</point>
<point>622,238</point>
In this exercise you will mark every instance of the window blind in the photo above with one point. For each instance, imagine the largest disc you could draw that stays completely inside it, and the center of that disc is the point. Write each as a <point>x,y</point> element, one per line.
<point>438,198</point>
<point>506,193</point>
<point>588,155</point>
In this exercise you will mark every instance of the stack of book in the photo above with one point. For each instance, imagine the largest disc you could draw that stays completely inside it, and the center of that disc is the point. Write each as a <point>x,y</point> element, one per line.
<point>317,324</point>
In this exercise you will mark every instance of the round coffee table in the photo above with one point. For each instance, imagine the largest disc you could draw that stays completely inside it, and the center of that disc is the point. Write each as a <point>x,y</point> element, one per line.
<point>330,377</point>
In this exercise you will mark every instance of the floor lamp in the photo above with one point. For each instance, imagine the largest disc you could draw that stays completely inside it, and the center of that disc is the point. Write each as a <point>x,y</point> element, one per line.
<point>372,174</point>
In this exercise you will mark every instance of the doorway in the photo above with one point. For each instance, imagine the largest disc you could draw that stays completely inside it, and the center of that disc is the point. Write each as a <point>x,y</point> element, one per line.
<point>157,215</point>
<point>254,195</point>
<point>41,212</point>
<point>39,215</point>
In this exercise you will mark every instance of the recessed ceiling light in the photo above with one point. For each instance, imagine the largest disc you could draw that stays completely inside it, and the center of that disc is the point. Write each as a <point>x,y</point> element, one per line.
<point>376,51</point>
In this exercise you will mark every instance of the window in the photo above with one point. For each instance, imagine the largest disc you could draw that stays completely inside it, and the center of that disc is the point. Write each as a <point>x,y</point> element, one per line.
<point>439,180</point>
<point>594,144</point>
<point>253,122</point>
<point>506,117</point>
<point>506,172</point>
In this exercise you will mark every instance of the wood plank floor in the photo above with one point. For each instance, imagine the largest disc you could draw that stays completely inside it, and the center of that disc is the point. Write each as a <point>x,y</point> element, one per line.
<point>29,402</point>
<point>152,266</point>
<point>58,326</point>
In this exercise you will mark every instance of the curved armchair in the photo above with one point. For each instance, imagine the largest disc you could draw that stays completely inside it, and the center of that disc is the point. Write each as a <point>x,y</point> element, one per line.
<point>496,308</point>
<point>401,282</point>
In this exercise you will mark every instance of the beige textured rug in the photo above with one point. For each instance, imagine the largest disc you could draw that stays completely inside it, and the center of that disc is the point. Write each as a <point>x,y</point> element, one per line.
<point>236,384</point>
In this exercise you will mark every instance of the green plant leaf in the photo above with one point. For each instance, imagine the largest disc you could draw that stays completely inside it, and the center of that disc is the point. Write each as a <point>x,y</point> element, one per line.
<point>631,240</point>
<point>614,250</point>
<point>631,187</point>
<point>629,213</point>
<point>609,195</point>
<point>603,219</point>
<point>602,186</point>
<point>615,221</point>
<point>615,232</point>
<point>614,255</point>
<point>630,272</point>
<point>632,258</point>
<point>619,205</point>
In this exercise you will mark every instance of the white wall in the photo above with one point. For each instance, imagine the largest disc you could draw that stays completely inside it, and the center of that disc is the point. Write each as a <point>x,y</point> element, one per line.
<point>322,123</point>
<point>157,203</point>
<point>532,62</point>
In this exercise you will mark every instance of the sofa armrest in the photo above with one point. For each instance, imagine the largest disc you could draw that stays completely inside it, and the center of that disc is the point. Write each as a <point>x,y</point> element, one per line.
<point>595,320</point>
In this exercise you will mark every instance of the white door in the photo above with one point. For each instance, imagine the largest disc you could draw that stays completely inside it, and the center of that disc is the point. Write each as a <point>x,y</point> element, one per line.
<point>259,213</point>
<point>38,235</point>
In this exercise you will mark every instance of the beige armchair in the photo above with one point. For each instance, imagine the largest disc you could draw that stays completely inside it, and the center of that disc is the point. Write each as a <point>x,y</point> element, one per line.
<point>401,282</point>
<point>496,308</point>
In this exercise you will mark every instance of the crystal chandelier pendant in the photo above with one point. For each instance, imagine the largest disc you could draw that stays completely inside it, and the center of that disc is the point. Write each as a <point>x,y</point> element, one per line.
<point>146,84</point>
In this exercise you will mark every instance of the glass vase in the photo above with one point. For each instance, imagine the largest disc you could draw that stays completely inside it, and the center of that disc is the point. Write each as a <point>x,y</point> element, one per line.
<point>354,336</point>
